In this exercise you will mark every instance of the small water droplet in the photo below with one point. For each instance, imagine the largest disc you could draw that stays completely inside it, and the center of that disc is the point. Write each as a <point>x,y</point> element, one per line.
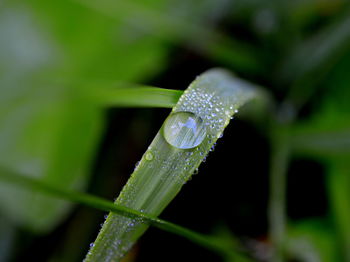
<point>91,245</point>
<point>149,156</point>
<point>212,148</point>
<point>137,165</point>
<point>220,135</point>
<point>184,130</point>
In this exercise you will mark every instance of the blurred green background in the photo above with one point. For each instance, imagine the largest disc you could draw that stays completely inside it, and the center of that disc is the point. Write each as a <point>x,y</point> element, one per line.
<point>56,55</point>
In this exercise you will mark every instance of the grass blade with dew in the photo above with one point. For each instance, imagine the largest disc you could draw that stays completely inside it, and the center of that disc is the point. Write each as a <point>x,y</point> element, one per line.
<point>182,143</point>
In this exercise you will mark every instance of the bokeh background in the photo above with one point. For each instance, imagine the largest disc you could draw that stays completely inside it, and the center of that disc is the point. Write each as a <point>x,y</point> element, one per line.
<point>54,56</point>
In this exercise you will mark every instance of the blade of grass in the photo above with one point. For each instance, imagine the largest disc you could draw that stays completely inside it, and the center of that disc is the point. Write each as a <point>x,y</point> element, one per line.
<point>312,60</point>
<point>206,241</point>
<point>111,93</point>
<point>277,200</point>
<point>280,126</point>
<point>205,109</point>
<point>327,143</point>
<point>135,97</point>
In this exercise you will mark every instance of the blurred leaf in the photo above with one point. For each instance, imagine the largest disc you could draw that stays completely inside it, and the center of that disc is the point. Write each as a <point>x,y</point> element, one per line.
<point>7,237</point>
<point>161,22</point>
<point>327,131</point>
<point>318,51</point>
<point>303,12</point>
<point>312,241</point>
<point>93,44</point>
<point>338,187</point>
<point>326,135</point>
<point>225,238</point>
<point>51,130</point>
<point>323,143</point>
<point>49,133</point>
<point>134,97</point>
<point>310,61</point>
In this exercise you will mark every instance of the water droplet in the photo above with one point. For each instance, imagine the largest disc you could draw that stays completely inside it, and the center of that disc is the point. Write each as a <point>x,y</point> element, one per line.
<point>184,130</point>
<point>137,165</point>
<point>220,135</point>
<point>149,156</point>
<point>91,245</point>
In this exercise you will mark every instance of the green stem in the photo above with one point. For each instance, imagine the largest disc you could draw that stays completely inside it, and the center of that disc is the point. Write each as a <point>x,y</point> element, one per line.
<point>277,200</point>
<point>203,240</point>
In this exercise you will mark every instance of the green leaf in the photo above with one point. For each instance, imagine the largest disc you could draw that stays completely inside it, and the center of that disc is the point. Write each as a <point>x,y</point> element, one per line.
<point>51,134</point>
<point>93,45</point>
<point>184,140</point>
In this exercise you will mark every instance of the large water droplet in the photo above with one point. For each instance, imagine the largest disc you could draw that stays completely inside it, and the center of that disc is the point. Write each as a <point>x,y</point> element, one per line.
<point>184,130</point>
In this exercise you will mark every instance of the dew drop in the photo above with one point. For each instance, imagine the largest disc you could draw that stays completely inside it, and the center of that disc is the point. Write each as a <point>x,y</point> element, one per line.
<point>149,156</point>
<point>184,130</point>
<point>137,165</point>
<point>220,135</point>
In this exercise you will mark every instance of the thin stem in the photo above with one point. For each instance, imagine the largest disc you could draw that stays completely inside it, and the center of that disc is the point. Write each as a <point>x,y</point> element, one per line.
<point>203,240</point>
<point>277,201</point>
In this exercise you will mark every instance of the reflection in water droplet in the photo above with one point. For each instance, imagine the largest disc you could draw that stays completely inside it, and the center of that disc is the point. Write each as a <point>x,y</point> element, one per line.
<point>184,130</point>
